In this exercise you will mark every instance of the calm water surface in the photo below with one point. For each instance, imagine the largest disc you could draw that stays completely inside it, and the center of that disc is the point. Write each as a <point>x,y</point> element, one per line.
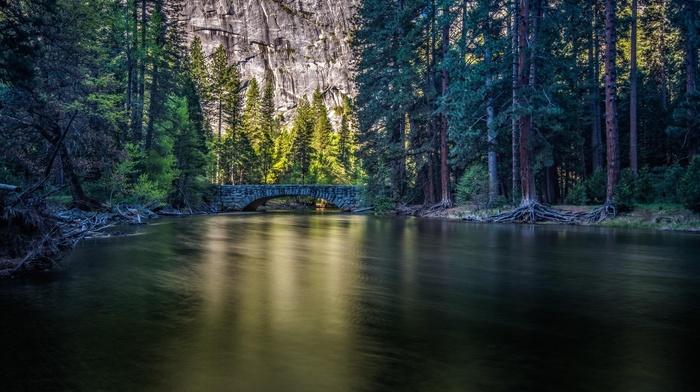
<point>331,302</point>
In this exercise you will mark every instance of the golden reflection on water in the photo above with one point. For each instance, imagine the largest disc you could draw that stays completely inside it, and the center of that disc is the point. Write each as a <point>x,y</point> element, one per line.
<point>265,291</point>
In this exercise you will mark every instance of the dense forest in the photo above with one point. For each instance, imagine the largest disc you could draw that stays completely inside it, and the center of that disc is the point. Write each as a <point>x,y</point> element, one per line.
<point>530,101</point>
<point>487,102</point>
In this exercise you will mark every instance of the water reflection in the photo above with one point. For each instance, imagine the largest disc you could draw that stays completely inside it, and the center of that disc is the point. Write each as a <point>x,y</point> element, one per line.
<point>286,302</point>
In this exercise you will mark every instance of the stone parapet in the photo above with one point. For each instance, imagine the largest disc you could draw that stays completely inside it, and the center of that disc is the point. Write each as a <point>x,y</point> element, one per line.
<point>250,197</point>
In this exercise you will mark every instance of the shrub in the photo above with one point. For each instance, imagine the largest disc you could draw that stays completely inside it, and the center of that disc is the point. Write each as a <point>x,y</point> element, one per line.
<point>644,191</point>
<point>689,186</point>
<point>667,188</point>
<point>499,202</point>
<point>596,186</point>
<point>624,193</point>
<point>578,195</point>
<point>473,186</point>
<point>383,203</point>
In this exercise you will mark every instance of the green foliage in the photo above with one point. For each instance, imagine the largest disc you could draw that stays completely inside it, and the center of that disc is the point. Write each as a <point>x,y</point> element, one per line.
<point>346,137</point>
<point>578,195</point>
<point>689,186</point>
<point>268,132</point>
<point>473,186</point>
<point>251,113</point>
<point>669,178</point>
<point>20,47</point>
<point>189,151</point>
<point>624,193</point>
<point>596,186</point>
<point>302,148</point>
<point>644,191</point>
<point>224,86</point>
<point>115,184</point>
<point>282,155</point>
<point>199,72</point>
<point>383,203</point>
<point>322,124</point>
<point>146,191</point>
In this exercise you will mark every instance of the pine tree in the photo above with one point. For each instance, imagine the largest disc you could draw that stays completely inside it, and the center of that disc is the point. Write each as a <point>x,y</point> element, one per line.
<point>252,127</point>
<point>268,128</point>
<point>251,113</point>
<point>198,70</point>
<point>611,128</point>
<point>322,123</point>
<point>302,139</point>
<point>224,103</point>
<point>384,97</point>
<point>223,87</point>
<point>346,139</point>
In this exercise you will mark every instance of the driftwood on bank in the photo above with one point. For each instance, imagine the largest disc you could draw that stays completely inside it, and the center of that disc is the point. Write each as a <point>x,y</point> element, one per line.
<point>33,237</point>
<point>10,188</point>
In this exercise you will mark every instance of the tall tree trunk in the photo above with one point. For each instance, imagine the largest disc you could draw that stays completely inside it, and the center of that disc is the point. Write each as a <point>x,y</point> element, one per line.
<point>491,135</point>
<point>446,199</point>
<point>57,139</point>
<point>156,101</point>
<point>129,67</point>
<point>431,123</point>
<point>594,74</point>
<point>138,130</point>
<point>663,77</point>
<point>76,189</point>
<point>663,71</point>
<point>398,163</point>
<point>137,49</point>
<point>152,107</point>
<point>691,69</point>
<point>525,78</point>
<point>515,123</point>
<point>611,130</point>
<point>633,91</point>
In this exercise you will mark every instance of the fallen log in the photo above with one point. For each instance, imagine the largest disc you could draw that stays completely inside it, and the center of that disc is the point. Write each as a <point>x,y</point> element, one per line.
<point>10,188</point>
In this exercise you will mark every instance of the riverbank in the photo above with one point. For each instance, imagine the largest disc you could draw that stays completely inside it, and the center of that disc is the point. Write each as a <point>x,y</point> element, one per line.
<point>652,216</point>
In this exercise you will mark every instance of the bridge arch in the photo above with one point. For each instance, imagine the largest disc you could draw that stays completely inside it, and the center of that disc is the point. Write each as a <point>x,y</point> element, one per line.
<point>250,197</point>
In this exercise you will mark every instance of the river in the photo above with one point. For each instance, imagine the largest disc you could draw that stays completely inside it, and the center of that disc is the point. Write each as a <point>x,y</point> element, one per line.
<point>338,302</point>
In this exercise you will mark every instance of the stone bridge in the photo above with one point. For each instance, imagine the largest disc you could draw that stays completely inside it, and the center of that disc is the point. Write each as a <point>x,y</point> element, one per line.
<point>250,197</point>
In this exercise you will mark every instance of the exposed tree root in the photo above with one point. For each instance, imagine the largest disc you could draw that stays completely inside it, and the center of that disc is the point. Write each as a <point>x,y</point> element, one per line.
<point>532,212</point>
<point>403,209</point>
<point>441,206</point>
<point>602,213</point>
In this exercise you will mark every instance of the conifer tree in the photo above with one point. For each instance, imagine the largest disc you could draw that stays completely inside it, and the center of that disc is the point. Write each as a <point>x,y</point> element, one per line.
<point>611,127</point>
<point>224,84</point>
<point>268,131</point>
<point>224,106</point>
<point>346,138</point>
<point>252,128</point>
<point>322,124</point>
<point>302,139</point>
<point>199,72</point>
<point>251,113</point>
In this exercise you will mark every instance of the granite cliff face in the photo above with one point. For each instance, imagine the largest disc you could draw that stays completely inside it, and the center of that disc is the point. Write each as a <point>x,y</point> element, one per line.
<point>303,44</point>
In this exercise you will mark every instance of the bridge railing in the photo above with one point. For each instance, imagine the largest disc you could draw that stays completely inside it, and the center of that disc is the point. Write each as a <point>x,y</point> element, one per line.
<point>249,197</point>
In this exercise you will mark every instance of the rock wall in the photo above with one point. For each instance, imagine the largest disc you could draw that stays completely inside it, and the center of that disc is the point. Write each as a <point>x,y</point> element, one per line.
<point>302,44</point>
